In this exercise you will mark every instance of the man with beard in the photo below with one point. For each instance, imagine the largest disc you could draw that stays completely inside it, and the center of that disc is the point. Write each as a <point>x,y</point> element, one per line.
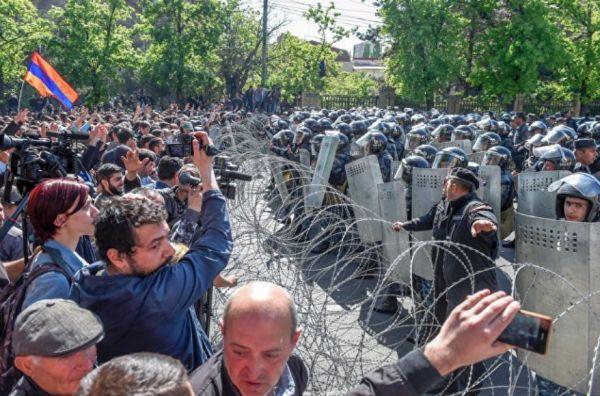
<point>112,182</point>
<point>144,304</point>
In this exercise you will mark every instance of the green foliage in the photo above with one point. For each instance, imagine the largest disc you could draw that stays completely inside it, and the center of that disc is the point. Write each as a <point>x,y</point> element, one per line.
<point>181,59</point>
<point>326,21</point>
<point>514,51</point>
<point>21,31</point>
<point>356,84</point>
<point>426,38</point>
<point>91,46</point>
<point>294,66</point>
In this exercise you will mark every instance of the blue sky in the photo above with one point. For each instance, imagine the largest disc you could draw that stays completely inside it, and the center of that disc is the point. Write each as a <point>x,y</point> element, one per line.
<point>353,13</point>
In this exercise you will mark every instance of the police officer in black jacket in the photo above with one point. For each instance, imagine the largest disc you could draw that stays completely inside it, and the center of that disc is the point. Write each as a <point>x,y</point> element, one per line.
<point>465,231</point>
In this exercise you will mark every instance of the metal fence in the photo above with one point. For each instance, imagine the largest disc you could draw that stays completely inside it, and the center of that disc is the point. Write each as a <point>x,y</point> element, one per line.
<point>482,105</point>
<point>546,107</point>
<point>347,101</point>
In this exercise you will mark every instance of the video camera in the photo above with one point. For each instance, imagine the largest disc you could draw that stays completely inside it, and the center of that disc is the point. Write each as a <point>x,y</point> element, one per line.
<point>37,159</point>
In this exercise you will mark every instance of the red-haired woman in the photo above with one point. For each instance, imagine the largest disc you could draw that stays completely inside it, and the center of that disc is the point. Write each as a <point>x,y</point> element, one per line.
<point>61,211</point>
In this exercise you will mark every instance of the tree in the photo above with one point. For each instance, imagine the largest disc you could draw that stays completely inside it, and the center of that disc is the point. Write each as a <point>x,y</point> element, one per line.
<point>240,44</point>
<point>21,31</point>
<point>579,23</point>
<point>326,21</point>
<point>294,65</point>
<point>426,38</point>
<point>181,59</point>
<point>91,45</point>
<point>521,42</point>
<point>355,84</point>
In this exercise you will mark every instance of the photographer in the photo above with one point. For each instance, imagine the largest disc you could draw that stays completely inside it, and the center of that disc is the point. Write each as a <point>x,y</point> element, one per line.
<point>144,304</point>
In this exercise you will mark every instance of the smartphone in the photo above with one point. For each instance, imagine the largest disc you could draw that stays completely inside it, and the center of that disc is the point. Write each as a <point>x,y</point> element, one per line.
<point>528,330</point>
<point>84,128</point>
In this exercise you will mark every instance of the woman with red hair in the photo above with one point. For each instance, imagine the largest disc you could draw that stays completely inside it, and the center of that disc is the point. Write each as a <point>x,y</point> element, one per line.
<point>61,212</point>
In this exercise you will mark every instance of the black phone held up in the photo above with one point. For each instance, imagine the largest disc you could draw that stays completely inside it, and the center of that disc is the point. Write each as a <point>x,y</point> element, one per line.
<point>528,330</point>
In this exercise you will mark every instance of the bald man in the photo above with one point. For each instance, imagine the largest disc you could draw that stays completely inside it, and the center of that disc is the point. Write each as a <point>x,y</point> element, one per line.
<point>260,331</point>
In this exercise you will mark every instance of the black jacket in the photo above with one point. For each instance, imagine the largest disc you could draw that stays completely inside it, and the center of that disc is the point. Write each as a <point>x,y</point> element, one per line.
<point>451,222</point>
<point>211,379</point>
<point>26,387</point>
<point>410,376</point>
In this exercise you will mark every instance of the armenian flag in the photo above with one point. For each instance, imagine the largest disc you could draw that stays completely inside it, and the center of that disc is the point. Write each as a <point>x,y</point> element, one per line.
<point>46,80</point>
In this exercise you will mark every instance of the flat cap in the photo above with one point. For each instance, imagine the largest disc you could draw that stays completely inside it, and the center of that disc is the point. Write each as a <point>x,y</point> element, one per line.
<point>465,176</point>
<point>52,328</point>
<point>584,143</point>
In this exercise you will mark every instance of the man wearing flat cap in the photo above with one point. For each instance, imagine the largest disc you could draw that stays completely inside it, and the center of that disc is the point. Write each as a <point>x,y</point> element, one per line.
<point>54,344</point>
<point>466,245</point>
<point>586,155</point>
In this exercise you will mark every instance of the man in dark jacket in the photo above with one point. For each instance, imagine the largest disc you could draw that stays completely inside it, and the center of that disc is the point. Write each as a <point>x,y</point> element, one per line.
<point>260,332</point>
<point>465,231</point>
<point>144,304</point>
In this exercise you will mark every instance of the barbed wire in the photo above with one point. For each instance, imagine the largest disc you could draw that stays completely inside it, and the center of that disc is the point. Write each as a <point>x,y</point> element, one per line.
<point>336,279</point>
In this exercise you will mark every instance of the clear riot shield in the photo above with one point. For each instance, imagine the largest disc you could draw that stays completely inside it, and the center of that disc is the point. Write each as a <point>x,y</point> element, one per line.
<point>427,186</point>
<point>392,208</point>
<point>476,157</point>
<point>533,195</point>
<point>395,167</point>
<point>566,288</point>
<point>490,191</point>
<point>316,190</point>
<point>464,144</point>
<point>364,175</point>
<point>304,171</point>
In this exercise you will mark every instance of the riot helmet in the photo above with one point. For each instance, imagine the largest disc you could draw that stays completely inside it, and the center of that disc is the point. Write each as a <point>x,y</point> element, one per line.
<point>579,185</point>
<point>347,118</point>
<point>407,165</point>
<point>343,142</point>
<point>416,137</point>
<point>417,119</point>
<point>426,151</point>
<point>486,141</point>
<point>403,119</point>
<point>503,129</point>
<point>537,127</point>
<point>344,129</point>
<point>312,124</point>
<point>487,124</point>
<point>560,134</point>
<point>463,132</point>
<point>443,133</point>
<point>450,157</point>
<point>303,135</point>
<point>281,125</point>
<point>554,157</point>
<point>359,128</point>
<point>325,124</point>
<point>585,129</point>
<point>497,155</point>
<point>595,132</point>
<point>377,143</point>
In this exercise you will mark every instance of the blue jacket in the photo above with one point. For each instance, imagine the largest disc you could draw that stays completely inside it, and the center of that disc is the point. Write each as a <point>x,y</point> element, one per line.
<point>154,313</point>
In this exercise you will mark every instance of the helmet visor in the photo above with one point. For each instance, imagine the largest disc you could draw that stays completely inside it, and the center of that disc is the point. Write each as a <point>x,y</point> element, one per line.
<point>412,141</point>
<point>445,160</point>
<point>492,158</point>
<point>482,144</point>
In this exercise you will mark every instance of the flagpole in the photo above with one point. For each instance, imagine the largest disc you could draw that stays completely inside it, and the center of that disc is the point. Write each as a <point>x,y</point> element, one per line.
<point>20,95</point>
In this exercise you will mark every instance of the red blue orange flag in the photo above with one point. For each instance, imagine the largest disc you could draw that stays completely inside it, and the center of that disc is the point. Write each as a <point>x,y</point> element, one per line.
<point>46,80</point>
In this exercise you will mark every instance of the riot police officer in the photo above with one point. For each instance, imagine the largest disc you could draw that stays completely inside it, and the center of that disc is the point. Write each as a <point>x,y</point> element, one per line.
<point>502,157</point>
<point>443,133</point>
<point>405,173</point>
<point>377,146</point>
<point>337,177</point>
<point>554,158</point>
<point>416,137</point>
<point>577,198</point>
<point>459,219</point>
<point>486,141</point>
<point>450,157</point>
<point>281,144</point>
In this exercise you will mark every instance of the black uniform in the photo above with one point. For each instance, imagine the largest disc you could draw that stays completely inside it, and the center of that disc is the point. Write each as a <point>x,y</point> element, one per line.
<point>451,222</point>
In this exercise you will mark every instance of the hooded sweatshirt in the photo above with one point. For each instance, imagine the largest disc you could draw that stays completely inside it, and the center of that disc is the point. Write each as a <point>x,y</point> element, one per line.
<point>154,313</point>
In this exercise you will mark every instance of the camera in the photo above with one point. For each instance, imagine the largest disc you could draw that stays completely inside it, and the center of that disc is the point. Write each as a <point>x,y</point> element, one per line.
<point>184,147</point>
<point>37,159</point>
<point>226,173</point>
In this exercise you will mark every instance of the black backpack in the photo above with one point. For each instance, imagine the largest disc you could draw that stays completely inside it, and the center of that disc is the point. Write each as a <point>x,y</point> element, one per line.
<point>11,301</point>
